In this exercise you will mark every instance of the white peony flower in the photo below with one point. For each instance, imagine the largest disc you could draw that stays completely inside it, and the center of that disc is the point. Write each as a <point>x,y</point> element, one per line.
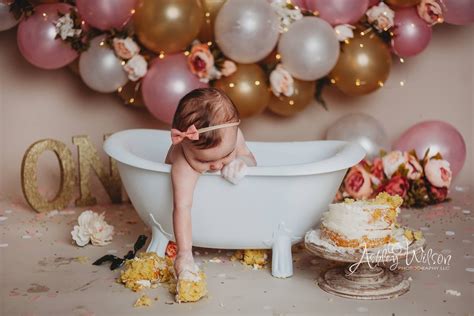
<point>287,15</point>
<point>381,16</point>
<point>80,235</point>
<point>65,27</point>
<point>281,82</point>
<point>344,31</point>
<point>136,67</point>
<point>392,161</point>
<point>415,170</point>
<point>125,48</point>
<point>92,227</point>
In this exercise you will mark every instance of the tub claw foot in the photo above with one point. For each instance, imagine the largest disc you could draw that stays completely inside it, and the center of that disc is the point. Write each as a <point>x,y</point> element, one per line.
<point>159,238</point>
<point>282,259</point>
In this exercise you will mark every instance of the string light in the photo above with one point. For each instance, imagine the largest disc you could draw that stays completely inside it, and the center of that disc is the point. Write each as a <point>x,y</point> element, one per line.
<point>402,83</point>
<point>278,56</point>
<point>132,11</point>
<point>257,83</point>
<point>119,89</point>
<point>333,81</point>
<point>291,102</point>
<point>357,83</point>
<point>231,85</point>
<point>380,83</point>
<point>161,55</point>
<point>209,43</point>
<point>102,43</point>
<point>186,53</point>
<point>208,14</point>
<point>402,60</point>
<point>122,62</point>
<point>132,100</point>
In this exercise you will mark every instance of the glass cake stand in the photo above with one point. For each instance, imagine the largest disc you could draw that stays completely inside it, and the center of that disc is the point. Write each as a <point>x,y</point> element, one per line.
<point>363,278</point>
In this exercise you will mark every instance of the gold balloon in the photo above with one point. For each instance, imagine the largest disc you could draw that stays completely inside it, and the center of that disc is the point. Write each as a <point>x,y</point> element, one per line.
<point>301,98</point>
<point>402,3</point>
<point>211,8</point>
<point>247,88</point>
<point>167,26</point>
<point>131,94</point>
<point>363,65</point>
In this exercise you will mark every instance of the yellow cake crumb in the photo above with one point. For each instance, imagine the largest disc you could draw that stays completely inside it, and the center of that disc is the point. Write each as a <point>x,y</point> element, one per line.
<point>143,300</point>
<point>82,259</point>
<point>188,290</point>
<point>409,234</point>
<point>145,269</point>
<point>385,198</point>
<point>256,258</point>
<point>418,235</point>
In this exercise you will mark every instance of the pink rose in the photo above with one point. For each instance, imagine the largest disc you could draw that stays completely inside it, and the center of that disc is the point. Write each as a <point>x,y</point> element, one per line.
<point>438,194</point>
<point>430,11</point>
<point>438,173</point>
<point>381,16</point>
<point>396,185</point>
<point>357,183</point>
<point>228,68</point>
<point>201,61</point>
<point>281,82</point>
<point>415,170</point>
<point>376,169</point>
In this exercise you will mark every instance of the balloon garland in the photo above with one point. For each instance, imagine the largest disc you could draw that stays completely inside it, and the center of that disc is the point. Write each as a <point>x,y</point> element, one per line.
<point>274,54</point>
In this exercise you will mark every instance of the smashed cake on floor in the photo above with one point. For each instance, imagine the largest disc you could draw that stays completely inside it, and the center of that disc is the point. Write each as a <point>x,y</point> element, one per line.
<point>257,258</point>
<point>188,289</point>
<point>146,270</point>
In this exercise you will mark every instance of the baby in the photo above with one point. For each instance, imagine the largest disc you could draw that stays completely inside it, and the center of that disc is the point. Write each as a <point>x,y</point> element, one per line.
<point>205,137</point>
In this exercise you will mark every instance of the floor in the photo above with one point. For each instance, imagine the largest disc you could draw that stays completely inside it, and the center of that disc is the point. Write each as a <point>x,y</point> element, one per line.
<point>43,273</point>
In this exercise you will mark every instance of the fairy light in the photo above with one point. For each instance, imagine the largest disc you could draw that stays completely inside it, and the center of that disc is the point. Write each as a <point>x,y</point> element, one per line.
<point>132,11</point>
<point>291,102</point>
<point>119,89</point>
<point>346,41</point>
<point>402,83</point>
<point>102,43</point>
<point>257,83</point>
<point>361,45</point>
<point>186,53</point>
<point>231,85</point>
<point>208,14</point>
<point>209,43</point>
<point>44,14</point>
<point>278,56</point>
<point>333,81</point>
<point>380,83</point>
<point>131,100</point>
<point>161,55</point>
<point>402,60</point>
<point>123,63</point>
<point>357,82</point>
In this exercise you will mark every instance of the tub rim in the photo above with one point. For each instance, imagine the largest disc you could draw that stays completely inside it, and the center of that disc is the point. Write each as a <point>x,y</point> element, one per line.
<point>349,155</point>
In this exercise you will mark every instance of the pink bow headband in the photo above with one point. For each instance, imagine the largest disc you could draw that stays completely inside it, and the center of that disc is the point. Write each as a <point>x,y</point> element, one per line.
<point>192,133</point>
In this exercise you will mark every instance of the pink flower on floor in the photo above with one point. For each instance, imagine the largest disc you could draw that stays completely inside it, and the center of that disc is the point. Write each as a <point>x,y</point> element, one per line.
<point>438,173</point>
<point>357,183</point>
<point>396,185</point>
<point>171,249</point>
<point>415,170</point>
<point>438,194</point>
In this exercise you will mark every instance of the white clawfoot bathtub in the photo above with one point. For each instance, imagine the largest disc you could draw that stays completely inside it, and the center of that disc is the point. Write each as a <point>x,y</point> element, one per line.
<point>271,208</point>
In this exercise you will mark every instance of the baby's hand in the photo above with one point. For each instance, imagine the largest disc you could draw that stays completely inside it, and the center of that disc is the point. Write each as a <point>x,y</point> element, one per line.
<point>235,170</point>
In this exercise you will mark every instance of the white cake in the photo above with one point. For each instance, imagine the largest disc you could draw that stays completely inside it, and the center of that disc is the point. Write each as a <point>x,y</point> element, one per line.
<point>355,224</point>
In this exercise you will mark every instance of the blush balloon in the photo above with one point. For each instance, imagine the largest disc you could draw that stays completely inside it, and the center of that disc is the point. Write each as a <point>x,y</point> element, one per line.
<point>438,136</point>
<point>36,38</point>
<point>165,83</point>
<point>339,11</point>
<point>412,34</point>
<point>106,14</point>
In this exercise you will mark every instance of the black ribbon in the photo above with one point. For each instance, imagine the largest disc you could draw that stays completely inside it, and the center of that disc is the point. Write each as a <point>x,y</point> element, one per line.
<point>118,262</point>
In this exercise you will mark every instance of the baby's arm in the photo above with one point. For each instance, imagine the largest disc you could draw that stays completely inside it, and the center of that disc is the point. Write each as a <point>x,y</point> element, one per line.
<point>183,178</point>
<point>243,152</point>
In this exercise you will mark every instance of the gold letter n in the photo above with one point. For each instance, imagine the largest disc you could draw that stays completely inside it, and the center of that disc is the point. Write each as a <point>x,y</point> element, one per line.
<point>88,157</point>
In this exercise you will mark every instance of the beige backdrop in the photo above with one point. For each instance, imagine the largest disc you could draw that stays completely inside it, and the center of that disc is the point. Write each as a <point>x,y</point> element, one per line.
<point>37,104</point>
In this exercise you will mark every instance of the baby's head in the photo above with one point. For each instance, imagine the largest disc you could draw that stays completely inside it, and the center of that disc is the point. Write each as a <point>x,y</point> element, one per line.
<point>202,108</point>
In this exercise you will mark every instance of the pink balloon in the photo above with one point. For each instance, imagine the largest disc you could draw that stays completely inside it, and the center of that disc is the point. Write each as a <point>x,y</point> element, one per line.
<point>460,12</point>
<point>36,38</point>
<point>106,14</point>
<point>411,35</point>
<point>339,11</point>
<point>165,83</point>
<point>439,137</point>
<point>373,2</point>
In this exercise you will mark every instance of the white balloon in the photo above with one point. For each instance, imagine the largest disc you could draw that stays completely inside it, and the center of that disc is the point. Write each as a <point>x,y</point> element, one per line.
<point>7,20</point>
<point>362,129</point>
<point>246,30</point>
<point>100,69</point>
<point>309,49</point>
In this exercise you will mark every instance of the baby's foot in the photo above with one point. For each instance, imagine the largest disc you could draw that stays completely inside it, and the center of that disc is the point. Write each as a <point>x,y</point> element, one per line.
<point>185,268</point>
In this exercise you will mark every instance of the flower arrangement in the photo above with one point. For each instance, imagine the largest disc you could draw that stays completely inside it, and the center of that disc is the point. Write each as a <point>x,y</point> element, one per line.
<point>93,228</point>
<point>419,182</point>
